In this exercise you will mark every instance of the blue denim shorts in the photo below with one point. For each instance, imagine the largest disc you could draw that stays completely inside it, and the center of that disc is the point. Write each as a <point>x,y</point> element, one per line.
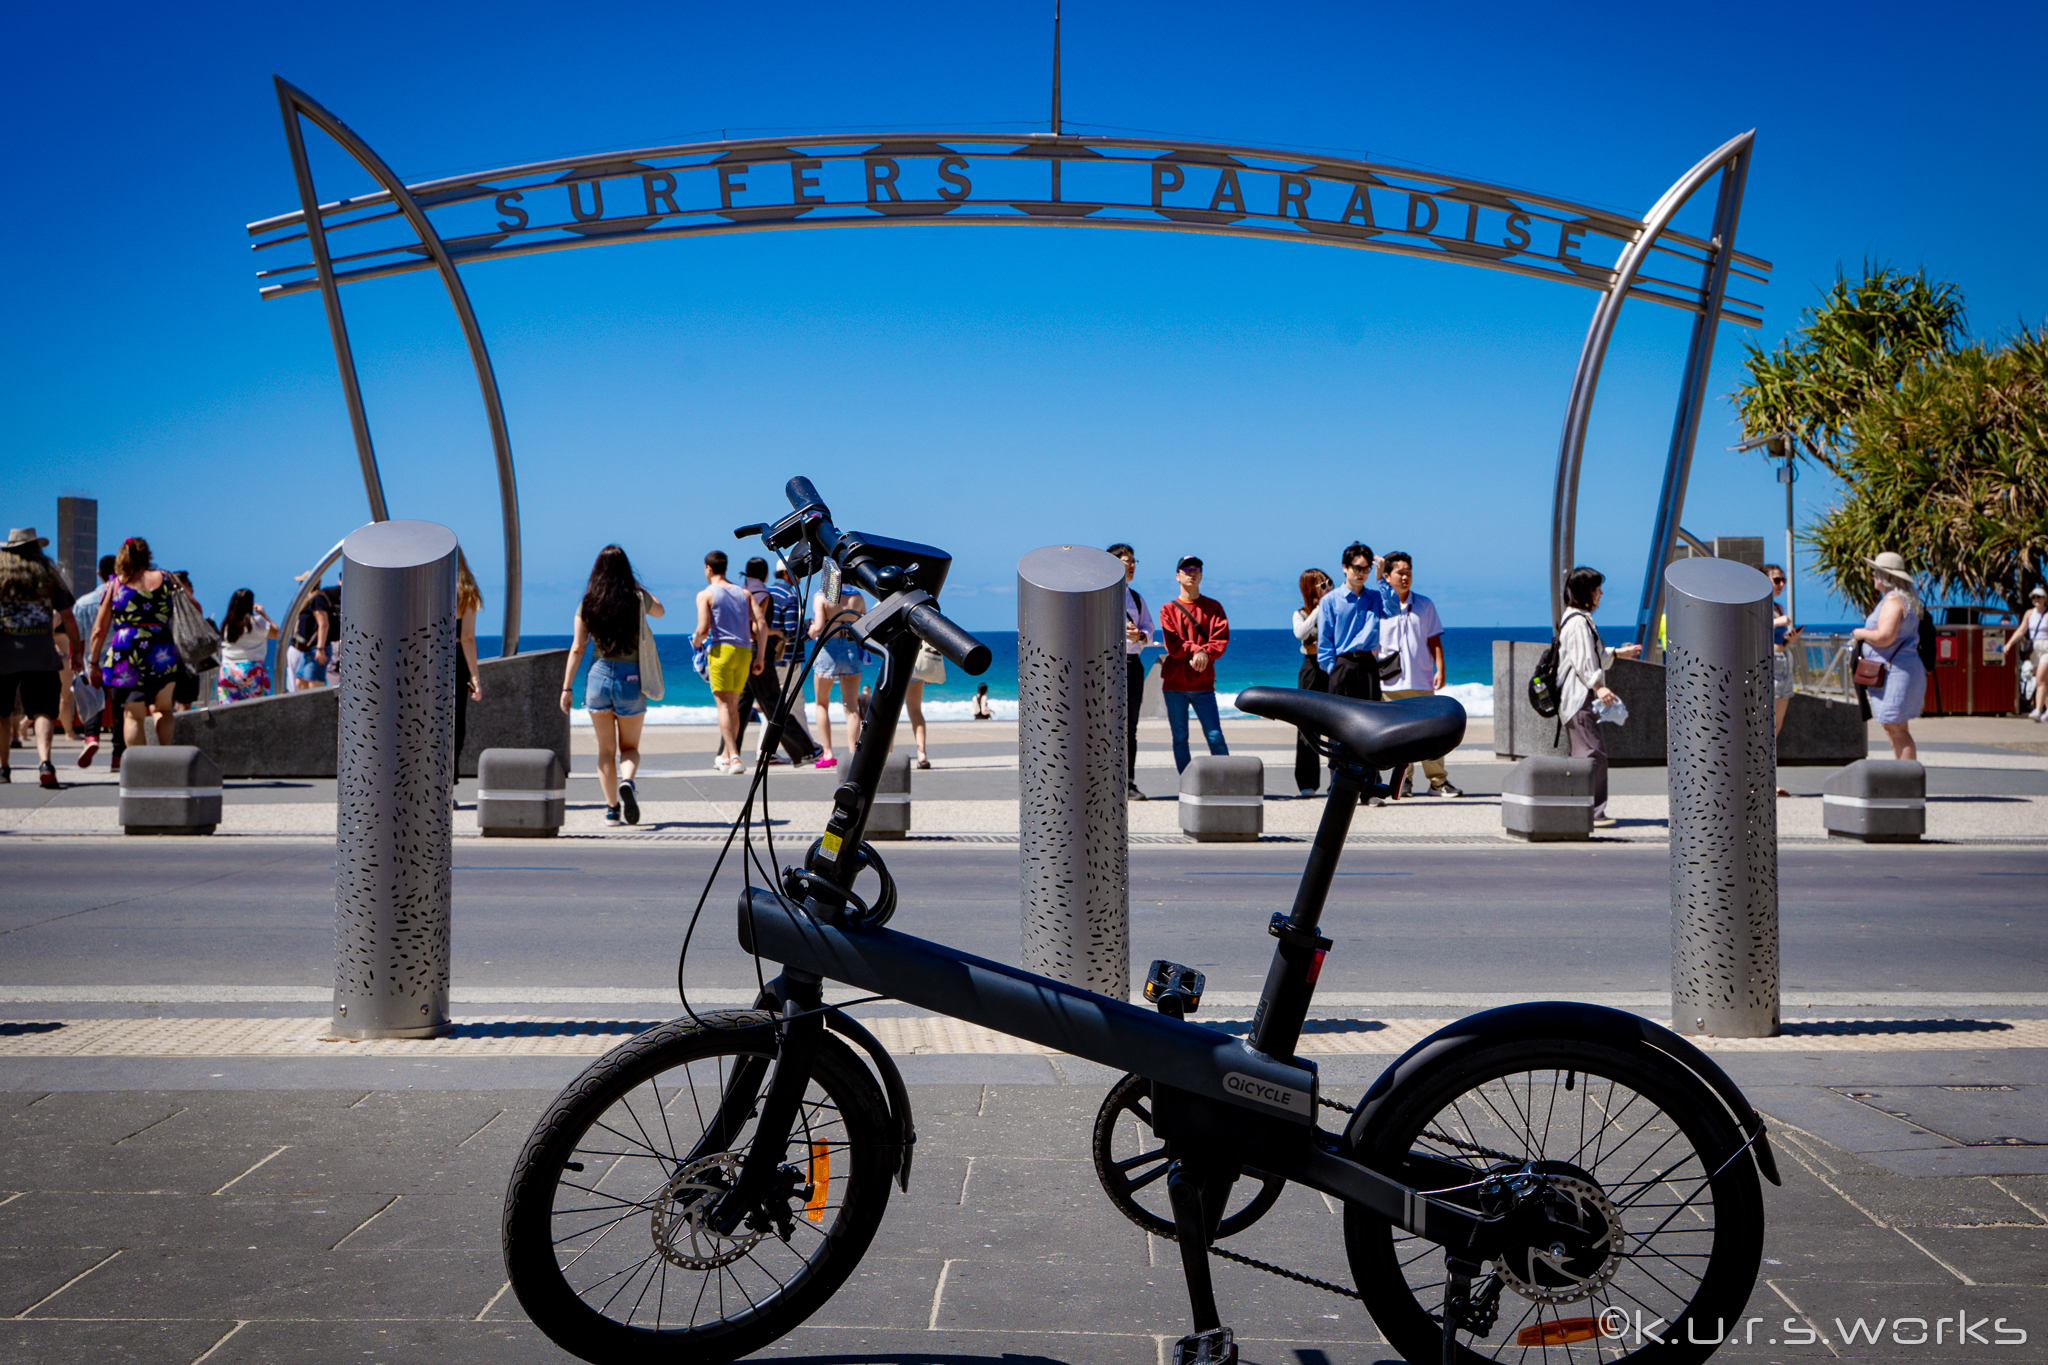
<point>310,669</point>
<point>614,687</point>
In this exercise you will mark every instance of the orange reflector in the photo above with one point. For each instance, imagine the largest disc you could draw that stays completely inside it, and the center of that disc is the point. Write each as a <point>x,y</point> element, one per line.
<point>1559,1333</point>
<point>821,1176</point>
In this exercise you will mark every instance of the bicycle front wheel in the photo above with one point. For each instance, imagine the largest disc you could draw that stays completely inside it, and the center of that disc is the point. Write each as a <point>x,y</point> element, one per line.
<point>1653,1168</point>
<point>606,1240</point>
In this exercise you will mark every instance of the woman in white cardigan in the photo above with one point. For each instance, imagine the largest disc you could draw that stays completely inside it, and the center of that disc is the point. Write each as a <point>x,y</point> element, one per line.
<point>1582,664</point>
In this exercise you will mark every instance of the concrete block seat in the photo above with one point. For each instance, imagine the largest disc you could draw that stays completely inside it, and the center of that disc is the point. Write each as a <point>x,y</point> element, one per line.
<point>1876,801</point>
<point>169,789</point>
<point>1387,734</point>
<point>521,793</point>
<point>1546,800</point>
<point>1223,798</point>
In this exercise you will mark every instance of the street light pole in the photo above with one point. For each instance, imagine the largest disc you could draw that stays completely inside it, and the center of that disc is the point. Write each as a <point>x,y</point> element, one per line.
<point>1777,445</point>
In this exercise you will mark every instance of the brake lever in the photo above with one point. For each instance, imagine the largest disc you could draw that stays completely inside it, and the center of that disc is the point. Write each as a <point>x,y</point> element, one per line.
<point>759,528</point>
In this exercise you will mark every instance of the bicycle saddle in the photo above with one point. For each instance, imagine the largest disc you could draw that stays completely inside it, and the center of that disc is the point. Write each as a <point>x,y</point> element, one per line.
<point>1385,734</point>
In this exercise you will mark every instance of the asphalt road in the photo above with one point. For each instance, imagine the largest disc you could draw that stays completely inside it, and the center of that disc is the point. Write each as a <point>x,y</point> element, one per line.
<point>1564,921</point>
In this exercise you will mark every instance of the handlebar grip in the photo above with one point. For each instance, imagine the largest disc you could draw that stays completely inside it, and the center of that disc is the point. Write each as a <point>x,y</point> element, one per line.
<point>951,641</point>
<point>801,493</point>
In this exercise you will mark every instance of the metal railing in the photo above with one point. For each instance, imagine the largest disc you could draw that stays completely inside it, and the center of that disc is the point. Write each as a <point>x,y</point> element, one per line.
<point>1825,666</point>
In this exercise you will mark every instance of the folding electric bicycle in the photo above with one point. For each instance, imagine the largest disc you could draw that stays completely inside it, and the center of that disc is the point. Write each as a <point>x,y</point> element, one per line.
<point>1547,1182</point>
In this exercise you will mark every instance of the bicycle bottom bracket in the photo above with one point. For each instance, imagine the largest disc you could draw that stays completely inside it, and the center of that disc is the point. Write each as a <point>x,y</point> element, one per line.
<point>679,1223</point>
<point>1582,1245</point>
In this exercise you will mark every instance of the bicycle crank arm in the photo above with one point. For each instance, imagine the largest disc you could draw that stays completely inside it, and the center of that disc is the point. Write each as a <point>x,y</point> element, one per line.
<point>1025,1005</point>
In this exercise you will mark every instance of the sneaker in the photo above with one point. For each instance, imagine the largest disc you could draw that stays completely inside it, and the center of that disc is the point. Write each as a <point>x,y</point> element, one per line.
<point>1605,822</point>
<point>1447,789</point>
<point>47,772</point>
<point>92,746</point>
<point>6,774</point>
<point>611,815</point>
<point>777,761</point>
<point>629,803</point>
<point>1407,791</point>
<point>1305,793</point>
<point>115,766</point>
<point>1131,791</point>
<point>827,763</point>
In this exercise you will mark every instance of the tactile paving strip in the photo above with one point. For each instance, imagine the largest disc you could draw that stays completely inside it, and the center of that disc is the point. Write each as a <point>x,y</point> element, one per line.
<point>536,1036</point>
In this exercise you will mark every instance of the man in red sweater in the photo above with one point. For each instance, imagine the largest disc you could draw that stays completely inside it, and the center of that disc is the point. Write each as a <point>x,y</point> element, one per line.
<point>1196,633</point>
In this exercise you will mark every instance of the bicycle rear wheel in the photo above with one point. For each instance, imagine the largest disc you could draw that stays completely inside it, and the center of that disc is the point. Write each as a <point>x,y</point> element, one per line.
<point>605,1238</point>
<point>1651,1164</point>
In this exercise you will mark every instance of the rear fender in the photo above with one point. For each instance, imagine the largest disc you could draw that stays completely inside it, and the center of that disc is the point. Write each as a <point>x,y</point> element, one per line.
<point>1564,1018</point>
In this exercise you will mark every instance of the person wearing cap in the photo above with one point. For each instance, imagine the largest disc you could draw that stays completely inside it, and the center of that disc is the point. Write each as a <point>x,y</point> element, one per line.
<point>1196,632</point>
<point>1139,632</point>
<point>1891,635</point>
<point>33,603</point>
<point>2033,628</point>
<point>782,621</point>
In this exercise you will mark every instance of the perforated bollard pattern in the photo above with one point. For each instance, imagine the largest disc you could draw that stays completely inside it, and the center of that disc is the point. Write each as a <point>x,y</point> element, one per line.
<point>1072,823</point>
<point>1724,813</point>
<point>396,764</point>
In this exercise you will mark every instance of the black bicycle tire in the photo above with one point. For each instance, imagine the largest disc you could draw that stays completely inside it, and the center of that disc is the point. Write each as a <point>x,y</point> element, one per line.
<point>1728,1172</point>
<point>1114,1183</point>
<point>528,1226</point>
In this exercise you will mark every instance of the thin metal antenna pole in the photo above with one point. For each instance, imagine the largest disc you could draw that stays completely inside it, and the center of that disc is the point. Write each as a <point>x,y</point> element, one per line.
<point>1055,68</point>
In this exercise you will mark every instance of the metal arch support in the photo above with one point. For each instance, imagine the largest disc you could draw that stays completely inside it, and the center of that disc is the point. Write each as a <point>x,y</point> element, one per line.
<point>280,678</point>
<point>1733,156</point>
<point>295,102</point>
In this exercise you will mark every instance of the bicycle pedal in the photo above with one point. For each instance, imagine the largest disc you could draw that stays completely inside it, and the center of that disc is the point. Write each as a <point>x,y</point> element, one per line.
<point>1175,989</point>
<point>1214,1347</point>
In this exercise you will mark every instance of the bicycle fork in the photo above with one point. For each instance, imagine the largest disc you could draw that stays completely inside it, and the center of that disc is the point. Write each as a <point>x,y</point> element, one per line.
<point>779,1107</point>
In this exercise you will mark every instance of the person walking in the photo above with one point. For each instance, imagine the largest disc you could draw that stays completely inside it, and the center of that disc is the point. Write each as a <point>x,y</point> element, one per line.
<point>245,636</point>
<point>1308,763</point>
<point>469,682</point>
<point>1891,635</point>
<point>1348,634</point>
<point>609,618</point>
<point>310,636</point>
<point>1139,631</point>
<point>1582,664</point>
<point>1414,633</point>
<point>35,610</point>
<point>139,664</point>
<point>1784,639</point>
<point>838,659</point>
<point>83,613</point>
<point>185,689</point>
<point>731,622</point>
<point>2033,628</point>
<point>781,620</point>
<point>1197,633</point>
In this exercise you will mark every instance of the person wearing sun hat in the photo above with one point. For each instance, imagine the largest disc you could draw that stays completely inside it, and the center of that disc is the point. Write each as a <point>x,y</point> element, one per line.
<point>1891,636</point>
<point>2033,628</point>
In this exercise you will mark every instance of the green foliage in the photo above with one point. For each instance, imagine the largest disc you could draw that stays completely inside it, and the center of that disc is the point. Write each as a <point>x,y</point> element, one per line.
<point>1943,448</point>
<point>1950,469</point>
<point>1860,342</point>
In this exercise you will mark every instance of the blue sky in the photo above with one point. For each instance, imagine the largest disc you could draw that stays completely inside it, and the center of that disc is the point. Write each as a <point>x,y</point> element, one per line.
<point>988,390</point>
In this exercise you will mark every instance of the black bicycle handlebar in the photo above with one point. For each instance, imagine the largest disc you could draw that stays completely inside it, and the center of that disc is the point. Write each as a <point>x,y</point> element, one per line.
<point>950,640</point>
<point>802,494</point>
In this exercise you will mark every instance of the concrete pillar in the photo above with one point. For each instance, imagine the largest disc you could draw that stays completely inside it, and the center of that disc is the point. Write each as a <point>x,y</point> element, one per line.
<point>395,765</point>
<point>1724,809</point>
<point>1072,828</point>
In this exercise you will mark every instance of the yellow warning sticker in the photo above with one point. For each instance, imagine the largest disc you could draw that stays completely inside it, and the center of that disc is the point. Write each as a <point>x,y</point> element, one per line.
<point>831,844</point>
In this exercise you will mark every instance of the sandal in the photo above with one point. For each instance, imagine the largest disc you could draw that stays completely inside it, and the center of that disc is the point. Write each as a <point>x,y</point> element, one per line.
<point>924,763</point>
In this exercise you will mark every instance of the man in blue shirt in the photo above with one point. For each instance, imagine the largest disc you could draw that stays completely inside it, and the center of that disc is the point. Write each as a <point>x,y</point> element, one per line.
<point>1348,627</point>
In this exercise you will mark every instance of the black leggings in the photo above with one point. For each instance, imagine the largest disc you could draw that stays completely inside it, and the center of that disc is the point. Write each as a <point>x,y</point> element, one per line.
<point>1134,701</point>
<point>1308,764</point>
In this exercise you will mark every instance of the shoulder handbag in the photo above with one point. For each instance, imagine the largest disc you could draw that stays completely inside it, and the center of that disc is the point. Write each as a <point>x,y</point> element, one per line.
<point>197,641</point>
<point>1871,673</point>
<point>650,657</point>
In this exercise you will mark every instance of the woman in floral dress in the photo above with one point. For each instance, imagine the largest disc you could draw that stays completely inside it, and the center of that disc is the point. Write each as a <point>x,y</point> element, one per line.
<point>134,656</point>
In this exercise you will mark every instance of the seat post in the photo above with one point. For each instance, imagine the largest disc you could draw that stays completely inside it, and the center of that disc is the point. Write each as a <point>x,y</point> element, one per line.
<point>1297,957</point>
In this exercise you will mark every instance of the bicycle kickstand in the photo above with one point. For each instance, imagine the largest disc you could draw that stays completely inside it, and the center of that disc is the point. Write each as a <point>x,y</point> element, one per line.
<point>1197,1197</point>
<point>1457,1302</point>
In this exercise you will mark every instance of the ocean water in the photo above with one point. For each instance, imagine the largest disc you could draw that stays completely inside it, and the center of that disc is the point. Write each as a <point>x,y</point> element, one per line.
<point>1256,658</point>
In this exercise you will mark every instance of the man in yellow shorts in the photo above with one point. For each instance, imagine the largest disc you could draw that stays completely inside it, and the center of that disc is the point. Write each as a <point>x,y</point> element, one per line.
<point>734,623</point>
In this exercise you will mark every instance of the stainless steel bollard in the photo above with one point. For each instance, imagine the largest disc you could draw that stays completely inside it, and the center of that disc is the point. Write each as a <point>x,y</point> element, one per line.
<point>1072,828</point>
<point>1724,809</point>
<point>396,769</point>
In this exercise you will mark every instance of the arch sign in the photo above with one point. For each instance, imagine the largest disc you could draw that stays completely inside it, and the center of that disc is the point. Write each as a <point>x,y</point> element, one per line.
<point>1142,184</point>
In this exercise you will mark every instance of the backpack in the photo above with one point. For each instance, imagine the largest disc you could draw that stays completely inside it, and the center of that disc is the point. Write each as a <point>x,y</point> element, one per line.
<point>1546,695</point>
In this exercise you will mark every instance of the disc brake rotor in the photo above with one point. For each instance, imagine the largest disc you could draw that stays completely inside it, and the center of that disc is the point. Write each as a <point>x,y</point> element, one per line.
<point>681,1234</point>
<point>1585,1257</point>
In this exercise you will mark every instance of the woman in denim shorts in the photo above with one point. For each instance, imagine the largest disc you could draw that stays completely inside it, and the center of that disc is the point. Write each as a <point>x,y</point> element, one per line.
<point>609,619</point>
<point>839,659</point>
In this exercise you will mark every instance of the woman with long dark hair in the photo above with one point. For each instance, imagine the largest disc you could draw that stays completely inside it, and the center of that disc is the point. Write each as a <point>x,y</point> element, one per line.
<point>609,619</point>
<point>469,685</point>
<point>245,635</point>
<point>1308,764</point>
<point>139,667</point>
<point>33,603</point>
<point>1582,664</point>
